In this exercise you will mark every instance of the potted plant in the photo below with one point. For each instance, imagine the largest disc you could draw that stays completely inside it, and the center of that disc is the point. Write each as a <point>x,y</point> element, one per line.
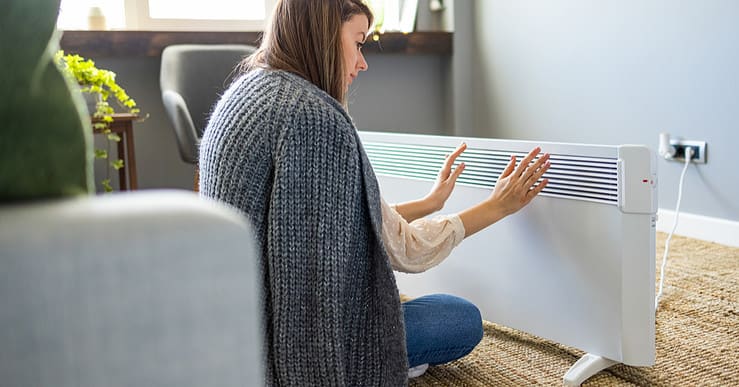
<point>101,85</point>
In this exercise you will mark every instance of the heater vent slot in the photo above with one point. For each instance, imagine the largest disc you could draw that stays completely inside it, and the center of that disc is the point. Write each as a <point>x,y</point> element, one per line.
<point>570,176</point>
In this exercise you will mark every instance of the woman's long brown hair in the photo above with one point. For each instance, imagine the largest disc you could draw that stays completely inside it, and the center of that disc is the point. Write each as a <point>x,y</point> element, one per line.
<point>304,37</point>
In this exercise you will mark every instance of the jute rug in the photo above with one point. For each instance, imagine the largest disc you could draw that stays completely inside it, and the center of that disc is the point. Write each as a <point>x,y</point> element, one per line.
<point>697,334</point>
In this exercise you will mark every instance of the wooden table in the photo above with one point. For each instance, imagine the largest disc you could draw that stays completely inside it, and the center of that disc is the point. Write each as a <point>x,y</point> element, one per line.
<point>123,126</point>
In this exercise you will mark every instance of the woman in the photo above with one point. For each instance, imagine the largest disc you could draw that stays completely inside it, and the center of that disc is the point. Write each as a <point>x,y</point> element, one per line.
<point>281,148</point>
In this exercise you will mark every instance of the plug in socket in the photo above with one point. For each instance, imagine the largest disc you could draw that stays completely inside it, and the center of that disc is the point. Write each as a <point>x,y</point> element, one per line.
<point>699,150</point>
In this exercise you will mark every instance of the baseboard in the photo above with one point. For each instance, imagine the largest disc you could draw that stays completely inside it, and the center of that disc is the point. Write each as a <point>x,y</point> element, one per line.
<point>723,231</point>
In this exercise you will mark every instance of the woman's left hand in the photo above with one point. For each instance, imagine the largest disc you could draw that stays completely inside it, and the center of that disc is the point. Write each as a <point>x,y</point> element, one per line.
<point>446,179</point>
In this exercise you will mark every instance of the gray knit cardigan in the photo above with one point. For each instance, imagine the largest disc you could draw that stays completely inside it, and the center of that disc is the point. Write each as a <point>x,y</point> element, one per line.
<point>287,155</point>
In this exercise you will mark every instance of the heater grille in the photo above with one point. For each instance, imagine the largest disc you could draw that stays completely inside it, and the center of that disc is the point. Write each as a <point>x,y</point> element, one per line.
<point>570,176</point>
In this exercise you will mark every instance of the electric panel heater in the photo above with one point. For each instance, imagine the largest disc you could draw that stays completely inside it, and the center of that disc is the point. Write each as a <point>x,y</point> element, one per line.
<point>576,266</point>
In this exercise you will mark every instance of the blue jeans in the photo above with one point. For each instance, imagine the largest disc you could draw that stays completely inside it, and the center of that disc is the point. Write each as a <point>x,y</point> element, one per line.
<point>440,328</point>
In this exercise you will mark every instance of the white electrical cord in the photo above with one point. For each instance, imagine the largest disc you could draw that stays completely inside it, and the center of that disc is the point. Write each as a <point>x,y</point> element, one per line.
<point>688,157</point>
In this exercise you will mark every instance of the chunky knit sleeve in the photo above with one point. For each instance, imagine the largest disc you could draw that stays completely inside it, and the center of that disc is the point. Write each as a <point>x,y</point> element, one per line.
<point>314,247</point>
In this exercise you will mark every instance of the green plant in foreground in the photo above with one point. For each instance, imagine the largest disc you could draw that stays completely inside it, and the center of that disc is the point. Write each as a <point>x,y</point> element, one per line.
<point>100,83</point>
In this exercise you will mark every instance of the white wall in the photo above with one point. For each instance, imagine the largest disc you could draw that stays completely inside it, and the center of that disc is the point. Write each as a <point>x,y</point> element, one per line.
<point>559,70</point>
<point>616,71</point>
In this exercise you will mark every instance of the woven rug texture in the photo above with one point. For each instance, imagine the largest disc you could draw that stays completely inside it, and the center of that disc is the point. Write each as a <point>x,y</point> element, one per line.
<point>697,334</point>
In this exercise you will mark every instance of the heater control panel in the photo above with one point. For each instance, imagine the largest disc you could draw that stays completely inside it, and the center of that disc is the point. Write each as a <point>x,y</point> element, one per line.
<point>638,179</point>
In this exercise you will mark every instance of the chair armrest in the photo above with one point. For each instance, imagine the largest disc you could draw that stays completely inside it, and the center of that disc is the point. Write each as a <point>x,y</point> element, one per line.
<point>132,289</point>
<point>179,115</point>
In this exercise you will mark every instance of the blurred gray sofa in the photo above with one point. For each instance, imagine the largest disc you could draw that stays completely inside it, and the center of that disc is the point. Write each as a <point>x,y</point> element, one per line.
<point>152,288</point>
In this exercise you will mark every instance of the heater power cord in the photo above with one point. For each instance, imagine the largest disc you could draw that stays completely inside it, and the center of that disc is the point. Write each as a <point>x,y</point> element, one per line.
<point>688,157</point>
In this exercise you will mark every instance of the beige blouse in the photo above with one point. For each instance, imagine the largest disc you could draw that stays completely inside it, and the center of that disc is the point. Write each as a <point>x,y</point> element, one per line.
<point>422,244</point>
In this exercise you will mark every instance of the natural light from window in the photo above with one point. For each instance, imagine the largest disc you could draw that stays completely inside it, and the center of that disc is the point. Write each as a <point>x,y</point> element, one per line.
<point>73,14</point>
<point>209,10</point>
<point>177,15</point>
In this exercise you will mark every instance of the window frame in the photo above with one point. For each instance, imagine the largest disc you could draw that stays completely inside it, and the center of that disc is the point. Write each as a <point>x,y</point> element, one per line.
<point>137,18</point>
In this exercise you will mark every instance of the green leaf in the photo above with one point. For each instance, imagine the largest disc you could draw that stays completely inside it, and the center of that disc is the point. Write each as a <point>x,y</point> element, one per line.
<point>106,185</point>
<point>114,137</point>
<point>118,164</point>
<point>101,154</point>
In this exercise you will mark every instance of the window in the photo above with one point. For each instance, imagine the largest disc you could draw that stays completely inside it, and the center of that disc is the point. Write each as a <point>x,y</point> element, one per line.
<point>172,15</point>
<point>73,14</point>
<point>210,10</point>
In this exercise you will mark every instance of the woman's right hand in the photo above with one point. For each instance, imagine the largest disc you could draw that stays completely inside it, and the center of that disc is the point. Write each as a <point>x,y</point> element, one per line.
<point>515,188</point>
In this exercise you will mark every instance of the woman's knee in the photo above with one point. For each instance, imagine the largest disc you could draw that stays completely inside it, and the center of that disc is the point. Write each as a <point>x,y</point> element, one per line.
<point>470,318</point>
<point>461,317</point>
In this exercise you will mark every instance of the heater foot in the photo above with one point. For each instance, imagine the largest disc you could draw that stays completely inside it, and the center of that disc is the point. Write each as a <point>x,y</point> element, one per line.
<point>586,367</point>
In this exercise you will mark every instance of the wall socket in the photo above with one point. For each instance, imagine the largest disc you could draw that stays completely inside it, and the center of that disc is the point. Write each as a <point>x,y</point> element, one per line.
<point>699,150</point>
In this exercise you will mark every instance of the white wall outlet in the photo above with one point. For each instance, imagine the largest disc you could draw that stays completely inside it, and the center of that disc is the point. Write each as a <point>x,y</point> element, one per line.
<point>699,150</point>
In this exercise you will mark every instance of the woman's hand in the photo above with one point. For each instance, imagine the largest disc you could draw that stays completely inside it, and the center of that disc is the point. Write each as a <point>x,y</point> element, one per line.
<point>439,194</point>
<point>446,179</point>
<point>516,187</point>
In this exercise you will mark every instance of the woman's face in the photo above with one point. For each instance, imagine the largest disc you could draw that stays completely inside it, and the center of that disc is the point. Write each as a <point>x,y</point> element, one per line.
<point>353,34</point>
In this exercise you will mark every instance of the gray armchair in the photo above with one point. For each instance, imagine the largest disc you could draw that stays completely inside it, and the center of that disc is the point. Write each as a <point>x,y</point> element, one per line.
<point>153,288</point>
<point>192,78</point>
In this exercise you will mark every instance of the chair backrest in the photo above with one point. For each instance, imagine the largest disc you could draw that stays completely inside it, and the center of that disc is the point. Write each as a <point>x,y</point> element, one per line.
<point>192,78</point>
<point>131,289</point>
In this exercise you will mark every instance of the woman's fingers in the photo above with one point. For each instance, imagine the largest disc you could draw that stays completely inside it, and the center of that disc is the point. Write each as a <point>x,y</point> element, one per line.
<point>461,148</point>
<point>532,169</point>
<point>457,172</point>
<point>509,168</point>
<point>537,170</point>
<point>536,189</point>
<point>453,157</point>
<point>446,170</point>
<point>526,161</point>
